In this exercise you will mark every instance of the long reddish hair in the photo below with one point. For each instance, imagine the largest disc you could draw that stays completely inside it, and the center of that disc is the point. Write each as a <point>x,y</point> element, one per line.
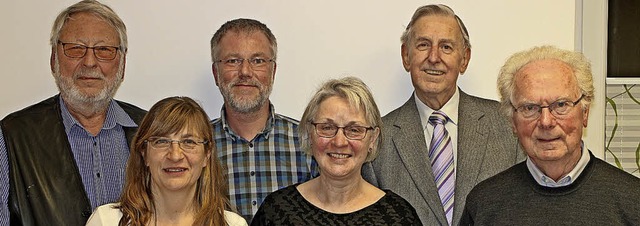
<point>168,116</point>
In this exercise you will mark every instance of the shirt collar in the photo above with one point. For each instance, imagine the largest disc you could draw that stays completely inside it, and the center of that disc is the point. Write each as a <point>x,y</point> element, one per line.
<point>265,132</point>
<point>568,179</point>
<point>115,116</point>
<point>450,109</point>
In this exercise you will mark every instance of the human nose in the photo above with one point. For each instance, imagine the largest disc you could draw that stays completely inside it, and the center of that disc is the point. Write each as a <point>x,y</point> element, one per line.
<point>89,59</point>
<point>340,139</point>
<point>175,151</point>
<point>546,118</point>
<point>245,67</point>
<point>434,55</point>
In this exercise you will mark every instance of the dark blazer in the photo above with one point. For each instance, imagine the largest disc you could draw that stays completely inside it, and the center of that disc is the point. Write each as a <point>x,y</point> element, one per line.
<point>45,185</point>
<point>486,146</point>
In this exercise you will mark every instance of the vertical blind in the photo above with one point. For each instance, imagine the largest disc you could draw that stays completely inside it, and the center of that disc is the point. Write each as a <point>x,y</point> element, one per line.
<point>623,127</point>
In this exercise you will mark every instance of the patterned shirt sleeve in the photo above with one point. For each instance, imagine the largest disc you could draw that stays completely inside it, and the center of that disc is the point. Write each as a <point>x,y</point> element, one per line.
<point>4,182</point>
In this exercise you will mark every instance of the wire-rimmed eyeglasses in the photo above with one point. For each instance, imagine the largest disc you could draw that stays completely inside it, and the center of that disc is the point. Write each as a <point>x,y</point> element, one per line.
<point>163,143</point>
<point>256,63</point>
<point>558,108</point>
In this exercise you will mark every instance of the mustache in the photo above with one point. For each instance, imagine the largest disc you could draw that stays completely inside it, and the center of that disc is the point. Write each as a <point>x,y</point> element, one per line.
<point>88,73</point>
<point>250,82</point>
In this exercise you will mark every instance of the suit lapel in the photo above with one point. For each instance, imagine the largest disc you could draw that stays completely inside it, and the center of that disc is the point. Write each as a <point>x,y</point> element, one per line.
<point>408,138</point>
<point>472,142</point>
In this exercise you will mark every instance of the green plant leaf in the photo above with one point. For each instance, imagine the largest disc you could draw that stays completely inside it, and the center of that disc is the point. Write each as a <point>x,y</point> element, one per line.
<point>638,157</point>
<point>613,133</point>
<point>615,125</point>
<point>628,91</point>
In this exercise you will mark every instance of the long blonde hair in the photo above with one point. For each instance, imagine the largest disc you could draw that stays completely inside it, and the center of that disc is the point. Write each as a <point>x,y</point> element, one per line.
<point>168,116</point>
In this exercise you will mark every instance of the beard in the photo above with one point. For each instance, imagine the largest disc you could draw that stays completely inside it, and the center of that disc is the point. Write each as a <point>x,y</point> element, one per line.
<point>244,104</point>
<point>87,103</point>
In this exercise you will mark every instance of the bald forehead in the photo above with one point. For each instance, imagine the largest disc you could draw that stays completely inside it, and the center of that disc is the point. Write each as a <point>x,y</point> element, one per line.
<point>546,70</point>
<point>546,66</point>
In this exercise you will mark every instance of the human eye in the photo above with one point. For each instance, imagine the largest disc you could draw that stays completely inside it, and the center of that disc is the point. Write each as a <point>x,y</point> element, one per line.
<point>356,129</point>
<point>258,61</point>
<point>190,142</point>
<point>74,50</point>
<point>561,107</point>
<point>424,45</point>
<point>529,109</point>
<point>161,142</point>
<point>75,47</point>
<point>105,52</point>
<point>233,61</point>
<point>447,48</point>
<point>561,104</point>
<point>326,127</point>
<point>105,49</point>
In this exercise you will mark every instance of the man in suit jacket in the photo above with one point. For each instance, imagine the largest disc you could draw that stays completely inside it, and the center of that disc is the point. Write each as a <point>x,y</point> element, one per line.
<point>435,50</point>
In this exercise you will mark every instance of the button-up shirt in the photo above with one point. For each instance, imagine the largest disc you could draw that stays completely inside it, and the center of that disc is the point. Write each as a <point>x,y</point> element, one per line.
<point>568,179</point>
<point>270,161</point>
<point>101,159</point>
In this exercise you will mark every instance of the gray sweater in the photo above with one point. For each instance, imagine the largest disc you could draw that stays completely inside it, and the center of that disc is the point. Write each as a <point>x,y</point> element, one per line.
<point>601,195</point>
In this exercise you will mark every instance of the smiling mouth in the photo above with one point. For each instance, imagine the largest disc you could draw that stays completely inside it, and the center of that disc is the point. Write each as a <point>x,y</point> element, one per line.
<point>434,72</point>
<point>174,170</point>
<point>339,156</point>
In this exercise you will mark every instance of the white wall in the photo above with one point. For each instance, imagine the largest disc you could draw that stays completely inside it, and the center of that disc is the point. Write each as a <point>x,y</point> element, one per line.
<point>169,46</point>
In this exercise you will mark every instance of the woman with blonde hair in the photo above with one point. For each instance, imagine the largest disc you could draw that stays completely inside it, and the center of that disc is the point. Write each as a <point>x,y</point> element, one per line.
<point>341,129</point>
<point>171,178</point>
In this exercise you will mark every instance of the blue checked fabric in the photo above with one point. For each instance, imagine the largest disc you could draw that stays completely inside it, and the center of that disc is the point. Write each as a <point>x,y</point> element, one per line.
<point>270,161</point>
<point>441,155</point>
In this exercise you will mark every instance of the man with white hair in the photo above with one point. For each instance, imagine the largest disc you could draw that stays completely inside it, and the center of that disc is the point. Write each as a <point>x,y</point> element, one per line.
<point>546,92</point>
<point>65,156</point>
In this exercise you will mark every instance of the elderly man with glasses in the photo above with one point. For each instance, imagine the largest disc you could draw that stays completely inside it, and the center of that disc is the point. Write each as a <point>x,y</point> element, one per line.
<point>65,156</point>
<point>546,93</point>
<point>259,148</point>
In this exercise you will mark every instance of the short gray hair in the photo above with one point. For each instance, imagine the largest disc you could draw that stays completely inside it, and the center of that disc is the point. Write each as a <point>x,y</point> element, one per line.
<point>578,63</point>
<point>357,94</point>
<point>95,8</point>
<point>242,25</point>
<point>436,9</point>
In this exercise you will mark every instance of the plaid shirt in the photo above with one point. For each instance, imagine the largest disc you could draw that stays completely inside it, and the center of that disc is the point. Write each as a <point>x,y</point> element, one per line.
<point>272,160</point>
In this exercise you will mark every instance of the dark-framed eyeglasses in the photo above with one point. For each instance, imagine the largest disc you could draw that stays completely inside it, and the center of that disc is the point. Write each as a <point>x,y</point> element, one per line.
<point>351,132</point>
<point>75,50</point>
<point>558,108</point>
<point>256,63</point>
<point>163,143</point>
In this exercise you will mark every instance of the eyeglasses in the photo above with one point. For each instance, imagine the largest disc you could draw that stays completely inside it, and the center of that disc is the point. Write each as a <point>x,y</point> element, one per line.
<point>352,132</point>
<point>74,50</point>
<point>558,108</point>
<point>162,143</point>
<point>256,63</point>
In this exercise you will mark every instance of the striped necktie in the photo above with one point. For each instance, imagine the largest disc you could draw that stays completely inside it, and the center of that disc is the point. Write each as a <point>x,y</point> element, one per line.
<point>441,155</point>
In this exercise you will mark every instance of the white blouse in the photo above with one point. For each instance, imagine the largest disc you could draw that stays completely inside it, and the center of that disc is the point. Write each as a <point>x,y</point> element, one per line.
<point>107,215</point>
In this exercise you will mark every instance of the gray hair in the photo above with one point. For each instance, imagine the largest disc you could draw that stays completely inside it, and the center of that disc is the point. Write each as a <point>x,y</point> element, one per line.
<point>436,9</point>
<point>96,8</point>
<point>357,94</point>
<point>578,63</point>
<point>242,25</point>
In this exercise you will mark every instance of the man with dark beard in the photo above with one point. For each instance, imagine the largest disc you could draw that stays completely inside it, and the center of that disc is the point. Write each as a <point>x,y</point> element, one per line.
<point>259,148</point>
<point>64,156</point>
